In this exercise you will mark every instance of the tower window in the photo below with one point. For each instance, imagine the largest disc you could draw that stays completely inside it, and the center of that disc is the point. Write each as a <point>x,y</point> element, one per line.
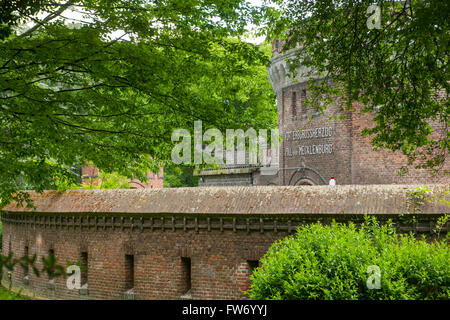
<point>294,105</point>
<point>303,98</point>
<point>129,271</point>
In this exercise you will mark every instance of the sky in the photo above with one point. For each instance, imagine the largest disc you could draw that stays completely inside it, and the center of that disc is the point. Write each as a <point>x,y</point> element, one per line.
<point>256,40</point>
<point>74,16</point>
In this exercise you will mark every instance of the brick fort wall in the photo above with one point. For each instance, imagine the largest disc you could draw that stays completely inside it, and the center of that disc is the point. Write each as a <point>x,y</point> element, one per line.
<point>193,243</point>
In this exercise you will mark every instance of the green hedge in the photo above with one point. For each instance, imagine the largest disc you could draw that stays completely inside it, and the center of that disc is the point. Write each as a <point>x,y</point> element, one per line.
<point>331,263</point>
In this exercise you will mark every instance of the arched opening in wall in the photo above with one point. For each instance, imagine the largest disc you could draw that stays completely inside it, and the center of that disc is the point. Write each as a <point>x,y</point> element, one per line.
<point>136,185</point>
<point>306,176</point>
<point>304,182</point>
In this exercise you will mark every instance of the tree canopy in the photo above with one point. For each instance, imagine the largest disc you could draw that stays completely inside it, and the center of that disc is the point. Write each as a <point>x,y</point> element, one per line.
<point>392,58</point>
<point>108,81</point>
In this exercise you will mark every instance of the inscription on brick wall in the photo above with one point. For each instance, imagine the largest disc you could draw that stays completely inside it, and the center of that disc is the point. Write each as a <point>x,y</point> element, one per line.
<point>314,149</point>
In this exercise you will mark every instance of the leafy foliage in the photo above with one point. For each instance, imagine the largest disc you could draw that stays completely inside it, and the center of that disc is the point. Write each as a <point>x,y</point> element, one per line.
<point>111,88</point>
<point>9,262</point>
<point>179,176</point>
<point>104,181</point>
<point>12,12</point>
<point>398,71</point>
<point>50,265</point>
<point>331,262</point>
<point>7,295</point>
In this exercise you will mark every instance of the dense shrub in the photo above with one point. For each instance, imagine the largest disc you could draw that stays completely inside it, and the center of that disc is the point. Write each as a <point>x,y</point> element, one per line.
<point>331,262</point>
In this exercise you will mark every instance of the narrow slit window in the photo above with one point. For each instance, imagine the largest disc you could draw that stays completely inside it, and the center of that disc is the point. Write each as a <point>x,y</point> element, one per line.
<point>303,98</point>
<point>26,254</point>
<point>51,253</point>
<point>294,105</point>
<point>84,268</point>
<point>129,271</point>
<point>252,265</point>
<point>186,274</point>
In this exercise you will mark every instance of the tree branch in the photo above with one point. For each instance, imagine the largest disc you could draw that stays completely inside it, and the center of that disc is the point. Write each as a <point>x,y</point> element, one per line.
<point>48,18</point>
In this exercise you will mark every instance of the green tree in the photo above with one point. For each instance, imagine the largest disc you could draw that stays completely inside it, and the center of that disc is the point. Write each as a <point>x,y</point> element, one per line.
<point>111,88</point>
<point>13,12</point>
<point>398,69</point>
<point>179,176</point>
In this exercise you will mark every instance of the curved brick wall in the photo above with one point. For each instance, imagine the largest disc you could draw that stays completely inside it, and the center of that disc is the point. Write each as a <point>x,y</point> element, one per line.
<point>219,233</point>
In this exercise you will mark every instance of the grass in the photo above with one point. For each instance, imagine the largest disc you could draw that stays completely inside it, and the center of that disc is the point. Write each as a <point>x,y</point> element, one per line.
<point>7,295</point>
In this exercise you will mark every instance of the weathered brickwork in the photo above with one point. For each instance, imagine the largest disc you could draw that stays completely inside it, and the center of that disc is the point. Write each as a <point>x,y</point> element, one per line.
<point>334,155</point>
<point>219,259</point>
<point>316,147</point>
<point>382,166</point>
<point>221,233</point>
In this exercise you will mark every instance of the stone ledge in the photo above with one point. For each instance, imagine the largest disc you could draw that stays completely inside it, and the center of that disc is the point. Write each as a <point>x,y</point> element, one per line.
<point>225,171</point>
<point>276,223</point>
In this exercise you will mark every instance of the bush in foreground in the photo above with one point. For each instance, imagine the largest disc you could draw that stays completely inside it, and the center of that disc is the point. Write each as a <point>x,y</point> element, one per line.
<point>334,262</point>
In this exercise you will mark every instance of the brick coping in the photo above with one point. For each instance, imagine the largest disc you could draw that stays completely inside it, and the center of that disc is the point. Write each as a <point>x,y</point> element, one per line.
<point>344,199</point>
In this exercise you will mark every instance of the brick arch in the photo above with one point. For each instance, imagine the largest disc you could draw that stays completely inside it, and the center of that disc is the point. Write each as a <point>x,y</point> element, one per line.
<point>306,175</point>
<point>304,182</point>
